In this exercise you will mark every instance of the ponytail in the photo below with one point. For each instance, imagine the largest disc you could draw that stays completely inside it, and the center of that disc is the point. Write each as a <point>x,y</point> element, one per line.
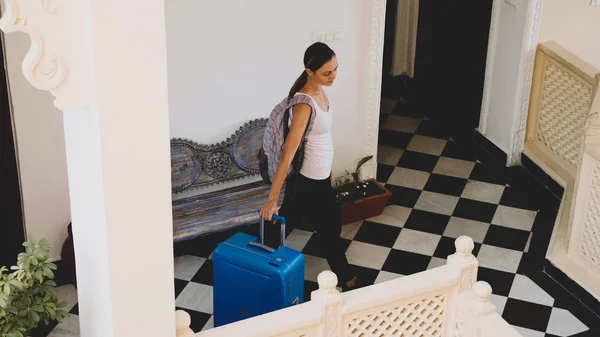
<point>300,82</point>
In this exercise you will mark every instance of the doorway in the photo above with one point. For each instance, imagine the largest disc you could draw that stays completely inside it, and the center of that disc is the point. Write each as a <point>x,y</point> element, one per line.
<point>12,227</point>
<point>445,81</point>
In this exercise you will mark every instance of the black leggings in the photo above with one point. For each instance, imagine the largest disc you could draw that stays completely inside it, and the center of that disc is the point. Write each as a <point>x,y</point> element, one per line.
<point>315,201</point>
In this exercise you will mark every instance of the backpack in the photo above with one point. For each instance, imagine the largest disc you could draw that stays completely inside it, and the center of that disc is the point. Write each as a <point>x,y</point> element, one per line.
<point>275,134</point>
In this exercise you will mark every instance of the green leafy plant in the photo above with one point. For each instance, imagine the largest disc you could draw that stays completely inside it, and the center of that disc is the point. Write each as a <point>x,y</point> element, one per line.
<point>349,187</point>
<point>28,294</point>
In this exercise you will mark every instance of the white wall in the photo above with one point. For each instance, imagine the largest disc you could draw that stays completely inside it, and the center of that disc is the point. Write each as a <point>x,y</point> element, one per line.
<point>41,151</point>
<point>575,25</point>
<point>503,94</point>
<point>232,61</point>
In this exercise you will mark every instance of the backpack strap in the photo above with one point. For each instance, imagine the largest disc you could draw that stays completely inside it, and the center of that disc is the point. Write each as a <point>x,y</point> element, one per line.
<point>303,99</point>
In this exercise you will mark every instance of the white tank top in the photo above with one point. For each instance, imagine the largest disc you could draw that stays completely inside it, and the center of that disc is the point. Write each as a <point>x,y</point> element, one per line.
<point>318,151</point>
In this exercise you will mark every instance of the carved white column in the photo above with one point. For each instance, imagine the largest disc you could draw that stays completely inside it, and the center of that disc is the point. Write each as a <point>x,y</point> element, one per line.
<point>464,259</point>
<point>471,307</point>
<point>105,63</point>
<point>331,299</point>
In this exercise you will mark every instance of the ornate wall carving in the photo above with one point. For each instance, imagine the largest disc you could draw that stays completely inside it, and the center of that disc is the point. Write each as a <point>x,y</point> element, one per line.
<point>56,61</point>
<point>590,239</point>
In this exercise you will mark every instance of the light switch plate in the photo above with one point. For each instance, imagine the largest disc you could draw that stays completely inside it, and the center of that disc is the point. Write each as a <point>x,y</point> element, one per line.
<point>514,3</point>
<point>595,3</point>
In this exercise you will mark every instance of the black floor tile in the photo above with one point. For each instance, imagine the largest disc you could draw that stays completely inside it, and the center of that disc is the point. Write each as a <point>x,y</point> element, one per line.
<point>529,264</point>
<point>403,196</point>
<point>418,161</point>
<point>309,287</point>
<point>504,237</point>
<point>585,308</point>
<point>382,119</point>
<point>405,263</point>
<point>74,310</point>
<point>199,319</point>
<point>315,246</point>
<point>205,274</point>
<point>433,129</point>
<point>519,198</point>
<point>488,173</point>
<point>444,184</point>
<point>500,281</point>
<point>475,210</point>
<point>364,276</point>
<point>427,222</point>
<point>446,247</point>
<point>384,172</point>
<point>406,109</point>
<point>395,139</point>
<point>377,234</point>
<point>526,314</point>
<point>179,285</point>
<point>461,150</point>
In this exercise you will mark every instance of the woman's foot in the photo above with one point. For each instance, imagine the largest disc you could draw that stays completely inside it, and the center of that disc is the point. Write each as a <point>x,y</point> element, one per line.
<point>349,285</point>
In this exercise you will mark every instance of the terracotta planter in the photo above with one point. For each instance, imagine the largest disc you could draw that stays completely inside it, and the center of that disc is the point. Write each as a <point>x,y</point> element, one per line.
<point>365,208</point>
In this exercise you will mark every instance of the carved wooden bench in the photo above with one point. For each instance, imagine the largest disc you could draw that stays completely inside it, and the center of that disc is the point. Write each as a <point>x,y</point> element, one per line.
<point>194,166</point>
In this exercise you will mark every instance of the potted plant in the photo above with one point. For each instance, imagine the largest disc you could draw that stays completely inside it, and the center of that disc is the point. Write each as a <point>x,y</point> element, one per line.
<point>360,199</point>
<point>28,294</point>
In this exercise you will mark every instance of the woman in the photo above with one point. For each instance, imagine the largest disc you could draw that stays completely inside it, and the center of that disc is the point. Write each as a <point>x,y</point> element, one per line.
<point>309,192</point>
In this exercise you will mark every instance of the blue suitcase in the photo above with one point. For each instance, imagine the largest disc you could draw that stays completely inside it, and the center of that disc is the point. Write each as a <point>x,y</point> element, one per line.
<point>252,279</point>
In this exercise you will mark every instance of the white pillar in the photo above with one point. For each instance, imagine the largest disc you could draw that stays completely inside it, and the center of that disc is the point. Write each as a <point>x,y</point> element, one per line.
<point>105,61</point>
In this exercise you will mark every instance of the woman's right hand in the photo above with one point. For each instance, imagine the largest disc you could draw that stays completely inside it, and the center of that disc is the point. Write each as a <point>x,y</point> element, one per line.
<point>268,209</point>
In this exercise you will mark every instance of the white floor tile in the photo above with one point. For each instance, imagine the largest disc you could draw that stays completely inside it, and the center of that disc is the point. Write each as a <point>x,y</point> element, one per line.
<point>523,288</point>
<point>454,167</point>
<point>384,276</point>
<point>499,302</point>
<point>392,215</point>
<point>186,266</point>
<point>313,266</point>
<point>388,155</point>
<point>209,324</point>
<point>401,124</point>
<point>481,191</point>
<point>499,258</point>
<point>436,203</point>
<point>387,105</point>
<point>367,255</point>
<point>67,293</point>
<point>474,229</point>
<point>350,230</point>
<point>528,332</point>
<point>436,262</point>
<point>196,296</point>
<point>68,328</point>
<point>528,243</point>
<point>297,239</point>
<point>564,323</point>
<point>417,242</point>
<point>514,218</point>
<point>427,145</point>
<point>408,178</point>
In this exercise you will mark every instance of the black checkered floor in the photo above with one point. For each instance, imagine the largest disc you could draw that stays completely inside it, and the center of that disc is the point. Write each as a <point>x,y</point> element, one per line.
<point>441,189</point>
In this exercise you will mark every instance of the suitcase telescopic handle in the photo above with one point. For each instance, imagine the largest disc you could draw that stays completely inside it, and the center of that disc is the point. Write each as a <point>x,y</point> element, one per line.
<point>262,229</point>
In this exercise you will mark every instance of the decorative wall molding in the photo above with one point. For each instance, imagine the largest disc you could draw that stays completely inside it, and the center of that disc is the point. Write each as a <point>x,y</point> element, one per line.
<point>405,41</point>
<point>374,74</point>
<point>532,28</point>
<point>56,60</point>
<point>489,65</point>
